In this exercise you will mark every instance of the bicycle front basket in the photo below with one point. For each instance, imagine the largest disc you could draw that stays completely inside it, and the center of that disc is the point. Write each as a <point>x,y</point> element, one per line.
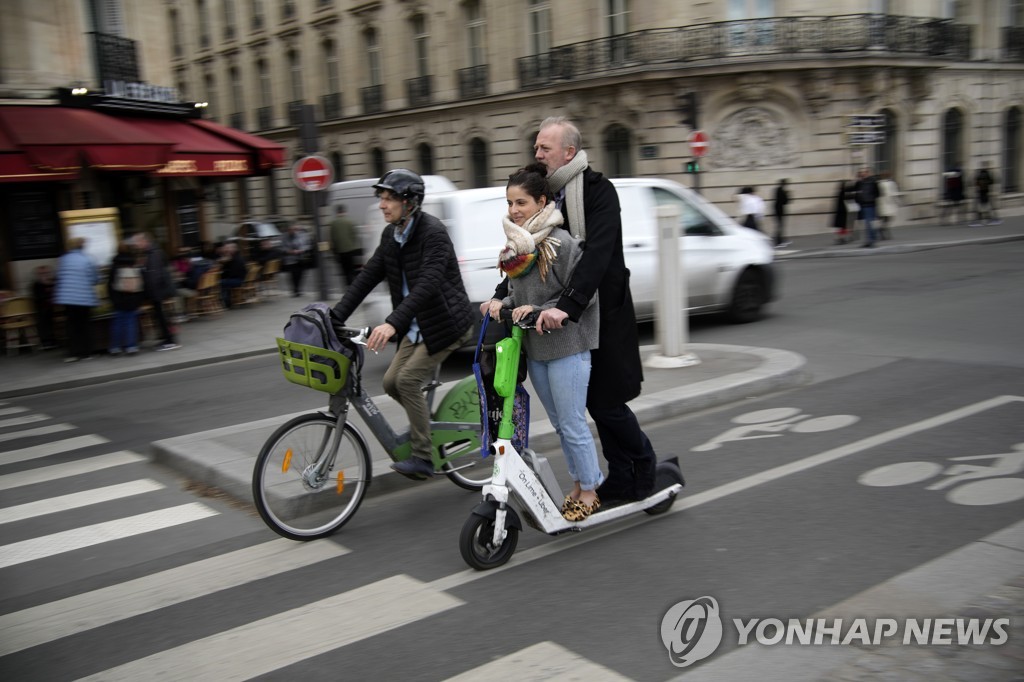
<point>318,368</point>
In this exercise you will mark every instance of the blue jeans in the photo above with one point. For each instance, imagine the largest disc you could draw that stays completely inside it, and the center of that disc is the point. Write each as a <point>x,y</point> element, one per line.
<point>124,330</point>
<point>561,386</point>
<point>868,216</point>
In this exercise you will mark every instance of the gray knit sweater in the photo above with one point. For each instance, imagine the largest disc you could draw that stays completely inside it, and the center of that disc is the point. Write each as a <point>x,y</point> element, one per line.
<point>529,289</point>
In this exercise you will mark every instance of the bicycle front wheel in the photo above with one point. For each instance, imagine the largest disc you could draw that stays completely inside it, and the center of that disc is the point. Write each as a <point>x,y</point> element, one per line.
<point>303,491</point>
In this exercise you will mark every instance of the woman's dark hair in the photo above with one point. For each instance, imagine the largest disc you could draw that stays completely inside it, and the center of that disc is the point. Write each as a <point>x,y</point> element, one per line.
<point>534,181</point>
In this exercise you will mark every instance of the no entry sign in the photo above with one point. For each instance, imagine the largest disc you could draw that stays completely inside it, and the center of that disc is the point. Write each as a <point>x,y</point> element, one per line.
<point>698,143</point>
<point>312,173</point>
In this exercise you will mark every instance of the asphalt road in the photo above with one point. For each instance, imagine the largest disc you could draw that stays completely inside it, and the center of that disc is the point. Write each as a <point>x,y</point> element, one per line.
<point>794,502</point>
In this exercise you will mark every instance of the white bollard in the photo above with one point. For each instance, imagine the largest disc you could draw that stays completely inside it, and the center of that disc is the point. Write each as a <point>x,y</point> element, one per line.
<point>671,319</point>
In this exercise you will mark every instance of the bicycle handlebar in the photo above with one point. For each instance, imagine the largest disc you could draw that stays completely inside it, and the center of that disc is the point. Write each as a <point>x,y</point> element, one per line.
<point>357,335</point>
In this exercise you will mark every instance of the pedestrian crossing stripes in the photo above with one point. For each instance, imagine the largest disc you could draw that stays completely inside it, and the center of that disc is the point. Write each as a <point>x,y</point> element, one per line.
<point>47,449</point>
<point>69,469</point>
<point>66,541</point>
<point>21,421</point>
<point>75,500</point>
<point>40,431</point>
<point>272,643</point>
<point>543,661</point>
<point>65,617</point>
<point>7,411</point>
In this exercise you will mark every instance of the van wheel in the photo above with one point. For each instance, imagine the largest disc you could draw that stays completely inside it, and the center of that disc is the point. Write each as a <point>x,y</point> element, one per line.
<point>747,299</point>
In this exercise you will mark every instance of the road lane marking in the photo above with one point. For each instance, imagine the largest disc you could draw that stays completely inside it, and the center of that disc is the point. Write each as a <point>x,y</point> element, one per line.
<point>47,449</point>
<point>58,471</point>
<point>684,503</point>
<point>87,536</point>
<point>542,661</point>
<point>19,421</point>
<point>39,431</point>
<point>85,498</point>
<point>48,622</point>
<point>6,411</point>
<point>280,640</point>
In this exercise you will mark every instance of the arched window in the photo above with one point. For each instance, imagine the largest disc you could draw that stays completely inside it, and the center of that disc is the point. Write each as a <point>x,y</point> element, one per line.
<point>339,166</point>
<point>885,153</point>
<point>618,149</point>
<point>952,139</point>
<point>425,156</point>
<point>1011,151</point>
<point>377,161</point>
<point>176,46</point>
<point>478,163</point>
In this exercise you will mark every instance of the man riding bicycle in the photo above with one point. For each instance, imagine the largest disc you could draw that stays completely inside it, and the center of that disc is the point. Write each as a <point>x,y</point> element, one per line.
<point>431,315</point>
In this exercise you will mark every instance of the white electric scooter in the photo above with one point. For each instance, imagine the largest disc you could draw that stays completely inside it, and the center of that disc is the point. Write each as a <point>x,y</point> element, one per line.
<point>523,483</point>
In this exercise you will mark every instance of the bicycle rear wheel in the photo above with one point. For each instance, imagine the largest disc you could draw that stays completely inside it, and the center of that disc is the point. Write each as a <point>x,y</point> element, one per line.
<point>290,497</point>
<point>470,470</point>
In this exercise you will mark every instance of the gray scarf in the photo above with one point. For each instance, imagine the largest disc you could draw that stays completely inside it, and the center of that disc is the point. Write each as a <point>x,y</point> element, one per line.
<point>570,176</point>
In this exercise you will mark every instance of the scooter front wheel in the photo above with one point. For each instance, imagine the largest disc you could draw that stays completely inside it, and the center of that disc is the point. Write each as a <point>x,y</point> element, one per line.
<point>476,546</point>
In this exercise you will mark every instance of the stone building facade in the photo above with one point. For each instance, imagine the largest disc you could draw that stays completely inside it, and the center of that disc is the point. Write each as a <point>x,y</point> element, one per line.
<point>457,88</point>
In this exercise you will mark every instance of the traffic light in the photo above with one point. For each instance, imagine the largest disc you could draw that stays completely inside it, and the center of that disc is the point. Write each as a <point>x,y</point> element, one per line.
<point>686,103</point>
<point>693,166</point>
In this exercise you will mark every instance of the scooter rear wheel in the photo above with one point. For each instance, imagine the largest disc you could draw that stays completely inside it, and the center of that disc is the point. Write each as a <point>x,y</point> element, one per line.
<point>665,474</point>
<point>475,543</point>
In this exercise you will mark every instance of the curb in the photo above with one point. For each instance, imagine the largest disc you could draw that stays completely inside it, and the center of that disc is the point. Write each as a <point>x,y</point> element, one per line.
<point>858,252</point>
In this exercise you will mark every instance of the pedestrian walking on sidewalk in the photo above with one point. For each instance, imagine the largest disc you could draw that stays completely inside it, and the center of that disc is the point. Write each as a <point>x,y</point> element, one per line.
<point>953,195</point>
<point>984,201</point>
<point>888,204</point>
<point>780,203</point>
<point>841,215</point>
<point>298,252</point>
<point>751,208</point>
<point>157,286</point>
<point>125,287</point>
<point>865,193</point>
<point>346,245</point>
<point>77,277</point>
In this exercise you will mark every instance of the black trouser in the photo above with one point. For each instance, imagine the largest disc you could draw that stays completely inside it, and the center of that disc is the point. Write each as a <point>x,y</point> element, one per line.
<point>628,450</point>
<point>78,328</point>
<point>780,224</point>
<point>349,264</point>
<point>161,321</point>
<point>296,270</point>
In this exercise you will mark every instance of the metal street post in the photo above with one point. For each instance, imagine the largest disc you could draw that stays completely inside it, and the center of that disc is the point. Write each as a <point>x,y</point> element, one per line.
<point>671,323</point>
<point>316,199</point>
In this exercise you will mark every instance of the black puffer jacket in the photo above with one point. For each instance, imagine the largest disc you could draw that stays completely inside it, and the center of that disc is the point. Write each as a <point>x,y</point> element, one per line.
<point>437,297</point>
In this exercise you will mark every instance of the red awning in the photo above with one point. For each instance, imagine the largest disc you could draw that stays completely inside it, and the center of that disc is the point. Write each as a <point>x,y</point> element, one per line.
<point>269,154</point>
<point>51,143</point>
<point>62,139</point>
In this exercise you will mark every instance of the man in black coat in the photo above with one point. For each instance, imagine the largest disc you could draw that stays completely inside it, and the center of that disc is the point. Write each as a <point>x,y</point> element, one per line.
<point>590,206</point>
<point>431,315</point>
<point>158,286</point>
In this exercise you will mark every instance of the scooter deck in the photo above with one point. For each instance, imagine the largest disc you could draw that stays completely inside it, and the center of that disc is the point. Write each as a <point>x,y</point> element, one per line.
<point>561,525</point>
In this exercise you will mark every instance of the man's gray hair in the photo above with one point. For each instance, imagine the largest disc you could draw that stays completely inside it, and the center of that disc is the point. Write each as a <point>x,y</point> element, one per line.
<point>570,133</point>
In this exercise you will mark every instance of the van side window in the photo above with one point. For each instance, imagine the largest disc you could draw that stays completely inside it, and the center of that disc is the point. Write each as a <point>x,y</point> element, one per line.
<point>694,222</point>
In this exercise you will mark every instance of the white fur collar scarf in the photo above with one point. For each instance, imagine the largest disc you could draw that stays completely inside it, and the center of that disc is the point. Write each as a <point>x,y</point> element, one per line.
<point>530,243</point>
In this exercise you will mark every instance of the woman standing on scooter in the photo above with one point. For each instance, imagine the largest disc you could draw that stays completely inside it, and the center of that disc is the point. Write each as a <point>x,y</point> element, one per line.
<point>539,258</point>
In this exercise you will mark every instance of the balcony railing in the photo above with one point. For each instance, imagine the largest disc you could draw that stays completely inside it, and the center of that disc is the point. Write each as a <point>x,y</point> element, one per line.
<point>418,91</point>
<point>237,120</point>
<point>373,99</point>
<point>878,34</point>
<point>295,112</point>
<point>331,106</point>
<point>264,118</point>
<point>473,82</point>
<point>1013,43</point>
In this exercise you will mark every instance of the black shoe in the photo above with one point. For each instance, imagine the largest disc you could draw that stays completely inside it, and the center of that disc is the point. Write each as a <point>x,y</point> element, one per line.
<point>868,245</point>
<point>618,490</point>
<point>415,468</point>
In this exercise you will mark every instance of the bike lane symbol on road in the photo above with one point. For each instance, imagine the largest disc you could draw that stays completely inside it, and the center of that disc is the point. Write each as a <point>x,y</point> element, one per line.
<point>774,422</point>
<point>983,489</point>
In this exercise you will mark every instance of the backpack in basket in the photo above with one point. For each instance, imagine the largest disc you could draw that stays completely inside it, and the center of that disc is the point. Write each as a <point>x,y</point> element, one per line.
<point>128,280</point>
<point>312,326</point>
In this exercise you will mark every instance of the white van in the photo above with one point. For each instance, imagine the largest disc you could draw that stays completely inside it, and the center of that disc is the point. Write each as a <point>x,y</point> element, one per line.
<point>728,267</point>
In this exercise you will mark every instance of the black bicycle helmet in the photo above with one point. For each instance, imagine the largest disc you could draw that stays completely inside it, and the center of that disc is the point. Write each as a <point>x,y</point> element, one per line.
<point>403,183</point>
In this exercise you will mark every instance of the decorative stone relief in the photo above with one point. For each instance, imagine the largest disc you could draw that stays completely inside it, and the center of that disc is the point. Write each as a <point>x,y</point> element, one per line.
<point>752,87</point>
<point>754,137</point>
<point>817,87</point>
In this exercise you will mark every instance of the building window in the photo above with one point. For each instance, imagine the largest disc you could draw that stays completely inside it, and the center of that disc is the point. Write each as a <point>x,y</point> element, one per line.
<point>377,161</point>
<point>1011,151</point>
<point>295,72</point>
<point>478,163</point>
<point>332,72</point>
<point>210,83</point>
<point>203,18</point>
<point>266,91</point>
<point>229,19</point>
<point>425,156</point>
<point>107,17</point>
<point>539,17</point>
<point>618,25</point>
<point>1016,14</point>
<point>373,57</point>
<point>420,46</point>
<point>237,96</point>
<point>618,149</point>
<point>339,166</point>
<point>256,10</point>
<point>475,33</point>
<point>175,23</point>
<point>287,9</point>
<point>952,139</point>
<point>272,193</point>
<point>885,153</point>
